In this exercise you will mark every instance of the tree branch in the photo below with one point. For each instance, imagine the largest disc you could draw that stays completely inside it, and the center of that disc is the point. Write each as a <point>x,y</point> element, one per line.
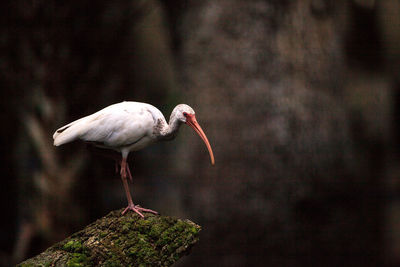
<point>127,240</point>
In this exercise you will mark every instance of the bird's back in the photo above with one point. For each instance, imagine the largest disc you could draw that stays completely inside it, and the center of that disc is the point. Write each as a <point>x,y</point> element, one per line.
<point>117,125</point>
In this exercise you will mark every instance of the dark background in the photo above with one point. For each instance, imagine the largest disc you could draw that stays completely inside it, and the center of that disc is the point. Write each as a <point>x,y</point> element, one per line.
<point>299,99</point>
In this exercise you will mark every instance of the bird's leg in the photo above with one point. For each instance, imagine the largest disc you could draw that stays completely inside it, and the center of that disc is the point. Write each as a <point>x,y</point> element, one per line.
<point>119,163</point>
<point>124,172</point>
<point>131,206</point>
<point>129,172</point>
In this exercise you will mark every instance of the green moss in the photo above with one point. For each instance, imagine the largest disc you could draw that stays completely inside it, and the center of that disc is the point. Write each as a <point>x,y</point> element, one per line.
<point>143,252</point>
<point>126,227</point>
<point>112,262</point>
<point>180,226</point>
<point>78,260</point>
<point>156,230</point>
<point>128,240</point>
<point>167,236</point>
<point>194,230</point>
<point>103,234</point>
<point>73,246</point>
<point>77,253</point>
<point>141,248</point>
<point>47,264</point>
<point>143,225</point>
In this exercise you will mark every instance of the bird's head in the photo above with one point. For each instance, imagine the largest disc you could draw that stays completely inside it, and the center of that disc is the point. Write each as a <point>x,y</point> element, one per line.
<point>186,114</point>
<point>182,111</point>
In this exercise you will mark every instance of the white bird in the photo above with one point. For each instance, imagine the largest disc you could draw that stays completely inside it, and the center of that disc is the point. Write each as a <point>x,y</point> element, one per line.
<point>129,126</point>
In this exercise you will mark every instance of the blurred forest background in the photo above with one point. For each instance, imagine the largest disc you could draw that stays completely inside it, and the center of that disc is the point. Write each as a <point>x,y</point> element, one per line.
<point>300,100</point>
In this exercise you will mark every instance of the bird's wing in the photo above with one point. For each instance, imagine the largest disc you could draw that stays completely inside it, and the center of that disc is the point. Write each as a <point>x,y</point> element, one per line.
<point>119,128</point>
<point>114,126</point>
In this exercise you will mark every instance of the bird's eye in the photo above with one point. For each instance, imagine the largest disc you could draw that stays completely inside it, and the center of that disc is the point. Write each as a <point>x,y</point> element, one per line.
<point>184,114</point>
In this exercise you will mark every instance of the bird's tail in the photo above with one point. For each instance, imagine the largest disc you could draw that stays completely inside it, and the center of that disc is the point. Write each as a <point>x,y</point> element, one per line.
<point>67,133</point>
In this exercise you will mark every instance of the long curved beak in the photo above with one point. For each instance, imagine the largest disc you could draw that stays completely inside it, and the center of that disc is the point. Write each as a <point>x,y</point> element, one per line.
<point>192,122</point>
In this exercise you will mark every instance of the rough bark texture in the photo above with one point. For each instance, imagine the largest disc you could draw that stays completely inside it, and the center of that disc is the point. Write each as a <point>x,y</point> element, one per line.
<point>128,240</point>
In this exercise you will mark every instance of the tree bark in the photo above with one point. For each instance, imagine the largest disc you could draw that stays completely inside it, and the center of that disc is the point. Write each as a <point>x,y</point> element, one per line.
<point>128,240</point>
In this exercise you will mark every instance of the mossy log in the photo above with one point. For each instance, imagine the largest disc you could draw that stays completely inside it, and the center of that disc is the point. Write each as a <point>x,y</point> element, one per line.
<point>123,240</point>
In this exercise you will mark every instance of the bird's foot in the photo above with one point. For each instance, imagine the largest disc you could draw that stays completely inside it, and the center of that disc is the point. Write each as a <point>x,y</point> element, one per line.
<point>132,208</point>
<point>138,210</point>
<point>145,210</point>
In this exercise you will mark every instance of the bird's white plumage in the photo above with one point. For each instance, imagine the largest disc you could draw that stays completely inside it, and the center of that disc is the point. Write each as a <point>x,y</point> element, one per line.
<point>124,125</point>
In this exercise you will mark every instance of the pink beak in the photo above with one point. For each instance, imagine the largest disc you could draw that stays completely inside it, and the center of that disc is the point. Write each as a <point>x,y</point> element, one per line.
<point>192,122</point>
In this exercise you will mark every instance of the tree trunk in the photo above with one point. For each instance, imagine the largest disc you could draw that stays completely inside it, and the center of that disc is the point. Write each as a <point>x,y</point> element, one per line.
<point>128,240</point>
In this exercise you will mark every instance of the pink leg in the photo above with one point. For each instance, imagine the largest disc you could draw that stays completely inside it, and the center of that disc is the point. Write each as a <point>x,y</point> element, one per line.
<point>145,210</point>
<point>117,163</point>
<point>124,171</point>
<point>129,172</point>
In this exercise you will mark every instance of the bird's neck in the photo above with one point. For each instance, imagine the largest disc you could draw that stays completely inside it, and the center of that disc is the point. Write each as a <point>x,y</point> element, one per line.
<point>168,131</point>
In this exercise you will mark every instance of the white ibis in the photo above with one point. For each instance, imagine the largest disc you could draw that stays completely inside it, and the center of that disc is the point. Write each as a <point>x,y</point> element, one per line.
<point>126,127</point>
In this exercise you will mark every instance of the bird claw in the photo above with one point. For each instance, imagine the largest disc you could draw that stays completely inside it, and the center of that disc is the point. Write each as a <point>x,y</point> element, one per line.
<point>138,210</point>
<point>146,210</point>
<point>133,209</point>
